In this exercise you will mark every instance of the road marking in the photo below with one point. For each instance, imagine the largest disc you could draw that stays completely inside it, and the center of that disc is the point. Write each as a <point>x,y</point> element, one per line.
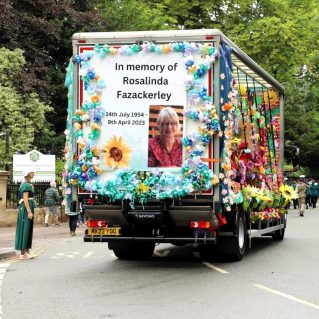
<point>3,269</point>
<point>209,265</point>
<point>4,265</point>
<point>276,292</point>
<point>89,254</point>
<point>113,255</point>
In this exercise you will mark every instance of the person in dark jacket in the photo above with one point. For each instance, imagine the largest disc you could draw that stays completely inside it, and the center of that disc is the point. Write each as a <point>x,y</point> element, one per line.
<point>308,196</point>
<point>51,202</point>
<point>314,190</point>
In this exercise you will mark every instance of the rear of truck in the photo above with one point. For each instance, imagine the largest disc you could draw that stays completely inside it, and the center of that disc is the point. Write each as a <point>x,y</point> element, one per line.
<point>119,85</point>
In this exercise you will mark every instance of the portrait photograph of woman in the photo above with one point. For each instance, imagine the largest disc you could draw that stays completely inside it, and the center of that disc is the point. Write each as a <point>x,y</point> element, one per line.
<point>165,145</point>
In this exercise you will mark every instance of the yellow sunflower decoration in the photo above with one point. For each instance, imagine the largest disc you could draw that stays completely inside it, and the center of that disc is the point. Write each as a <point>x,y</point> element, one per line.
<point>288,193</point>
<point>117,153</point>
<point>271,97</point>
<point>263,197</point>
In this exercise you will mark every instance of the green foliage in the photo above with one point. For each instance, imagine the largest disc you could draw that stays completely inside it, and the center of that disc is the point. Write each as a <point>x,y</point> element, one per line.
<point>59,168</point>
<point>23,115</point>
<point>43,30</point>
<point>133,15</point>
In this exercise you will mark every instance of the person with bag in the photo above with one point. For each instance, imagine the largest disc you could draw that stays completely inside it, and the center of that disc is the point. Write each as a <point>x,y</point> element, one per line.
<point>301,191</point>
<point>24,229</point>
<point>51,202</point>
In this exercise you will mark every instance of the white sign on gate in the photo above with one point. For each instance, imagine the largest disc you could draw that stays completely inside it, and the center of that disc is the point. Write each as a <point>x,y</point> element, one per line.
<point>42,165</point>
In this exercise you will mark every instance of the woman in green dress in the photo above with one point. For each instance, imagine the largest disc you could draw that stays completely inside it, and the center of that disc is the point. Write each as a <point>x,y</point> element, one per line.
<point>24,230</point>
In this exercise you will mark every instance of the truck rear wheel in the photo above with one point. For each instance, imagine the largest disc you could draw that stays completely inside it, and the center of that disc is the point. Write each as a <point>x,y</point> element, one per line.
<point>132,250</point>
<point>279,234</point>
<point>235,246</point>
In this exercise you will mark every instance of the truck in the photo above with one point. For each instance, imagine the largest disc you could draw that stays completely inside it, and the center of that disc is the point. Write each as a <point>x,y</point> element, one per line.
<point>173,137</point>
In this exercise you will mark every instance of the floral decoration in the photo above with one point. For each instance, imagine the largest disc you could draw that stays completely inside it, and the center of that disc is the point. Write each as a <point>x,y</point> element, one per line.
<point>117,153</point>
<point>129,184</point>
<point>247,170</point>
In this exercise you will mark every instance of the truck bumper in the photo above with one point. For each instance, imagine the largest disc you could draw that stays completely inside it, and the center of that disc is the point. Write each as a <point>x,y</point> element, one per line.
<point>185,240</point>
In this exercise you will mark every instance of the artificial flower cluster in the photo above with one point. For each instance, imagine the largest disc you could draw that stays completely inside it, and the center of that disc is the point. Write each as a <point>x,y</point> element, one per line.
<point>187,48</point>
<point>269,214</point>
<point>246,131</point>
<point>262,203</point>
<point>250,176</point>
<point>129,184</point>
<point>87,166</point>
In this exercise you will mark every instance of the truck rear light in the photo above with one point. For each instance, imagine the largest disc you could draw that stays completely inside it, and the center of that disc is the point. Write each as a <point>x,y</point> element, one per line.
<point>92,223</point>
<point>81,41</point>
<point>200,224</point>
<point>102,223</point>
<point>96,223</point>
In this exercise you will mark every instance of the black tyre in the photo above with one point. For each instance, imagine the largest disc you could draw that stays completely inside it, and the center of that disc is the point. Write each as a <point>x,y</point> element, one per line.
<point>235,246</point>
<point>279,234</point>
<point>132,251</point>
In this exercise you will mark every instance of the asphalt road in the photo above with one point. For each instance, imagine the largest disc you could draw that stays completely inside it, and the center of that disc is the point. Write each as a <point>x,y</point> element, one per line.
<point>72,279</point>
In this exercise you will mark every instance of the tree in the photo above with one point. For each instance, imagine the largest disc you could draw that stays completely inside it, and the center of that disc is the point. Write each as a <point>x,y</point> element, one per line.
<point>43,30</point>
<point>133,15</point>
<point>23,115</point>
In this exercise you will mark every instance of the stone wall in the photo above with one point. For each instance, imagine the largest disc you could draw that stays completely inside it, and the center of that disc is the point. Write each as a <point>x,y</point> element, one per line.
<point>9,217</point>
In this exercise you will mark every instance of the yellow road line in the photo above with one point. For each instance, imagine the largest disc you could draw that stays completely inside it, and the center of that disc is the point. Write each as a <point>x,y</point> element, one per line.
<point>276,292</point>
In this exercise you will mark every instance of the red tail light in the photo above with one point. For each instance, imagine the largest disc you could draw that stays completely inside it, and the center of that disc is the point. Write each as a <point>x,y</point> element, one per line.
<point>96,223</point>
<point>200,224</point>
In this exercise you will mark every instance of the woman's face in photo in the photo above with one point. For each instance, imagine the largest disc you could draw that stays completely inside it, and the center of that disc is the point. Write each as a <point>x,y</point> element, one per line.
<point>169,127</point>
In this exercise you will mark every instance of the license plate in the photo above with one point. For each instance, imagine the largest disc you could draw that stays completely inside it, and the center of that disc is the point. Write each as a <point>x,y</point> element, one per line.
<point>111,231</point>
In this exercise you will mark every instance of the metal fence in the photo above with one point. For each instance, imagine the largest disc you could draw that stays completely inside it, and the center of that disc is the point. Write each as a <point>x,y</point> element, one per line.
<point>13,194</point>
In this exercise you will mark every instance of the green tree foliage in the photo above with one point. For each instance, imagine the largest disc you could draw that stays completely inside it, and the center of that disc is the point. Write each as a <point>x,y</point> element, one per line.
<point>43,30</point>
<point>22,114</point>
<point>141,15</point>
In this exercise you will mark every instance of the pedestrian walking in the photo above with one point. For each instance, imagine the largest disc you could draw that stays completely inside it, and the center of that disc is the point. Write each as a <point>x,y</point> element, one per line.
<point>51,202</point>
<point>81,221</point>
<point>301,190</point>
<point>24,229</point>
<point>308,196</point>
<point>73,215</point>
<point>314,190</point>
<point>295,200</point>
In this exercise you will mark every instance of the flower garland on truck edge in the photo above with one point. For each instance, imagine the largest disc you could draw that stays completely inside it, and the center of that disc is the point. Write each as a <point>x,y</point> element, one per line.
<point>130,184</point>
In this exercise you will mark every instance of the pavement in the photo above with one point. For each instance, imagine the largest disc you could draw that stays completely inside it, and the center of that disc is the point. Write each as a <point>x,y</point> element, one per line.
<point>43,237</point>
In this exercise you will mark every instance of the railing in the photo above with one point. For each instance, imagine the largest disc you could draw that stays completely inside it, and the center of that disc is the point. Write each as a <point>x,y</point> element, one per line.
<point>13,194</point>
